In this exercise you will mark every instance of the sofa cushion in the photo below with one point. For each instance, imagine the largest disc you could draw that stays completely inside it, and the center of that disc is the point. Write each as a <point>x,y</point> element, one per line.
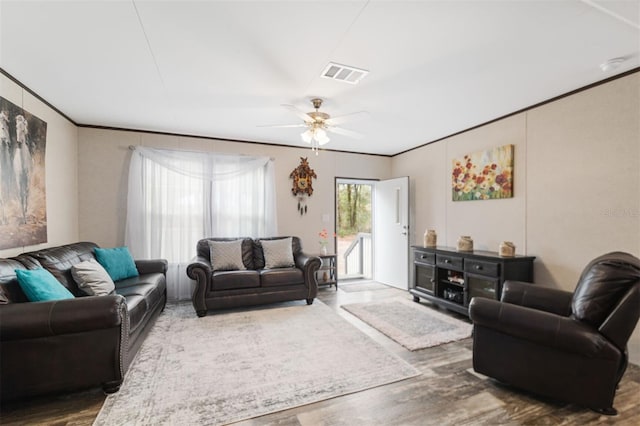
<point>277,253</point>
<point>258,255</point>
<point>59,260</point>
<point>203,249</point>
<point>229,280</point>
<point>226,255</point>
<point>137,307</point>
<point>92,278</point>
<point>281,277</point>
<point>39,285</point>
<point>117,261</point>
<point>10,291</point>
<point>150,286</point>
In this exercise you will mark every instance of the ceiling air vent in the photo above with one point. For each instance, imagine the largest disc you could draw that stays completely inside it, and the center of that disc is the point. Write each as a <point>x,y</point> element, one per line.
<point>351,75</point>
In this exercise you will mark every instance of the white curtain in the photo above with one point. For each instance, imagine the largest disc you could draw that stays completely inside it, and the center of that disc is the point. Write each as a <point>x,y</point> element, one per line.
<point>176,198</point>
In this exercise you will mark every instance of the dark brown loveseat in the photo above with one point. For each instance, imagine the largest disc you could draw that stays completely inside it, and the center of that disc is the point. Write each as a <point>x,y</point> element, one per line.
<point>254,285</point>
<point>71,344</point>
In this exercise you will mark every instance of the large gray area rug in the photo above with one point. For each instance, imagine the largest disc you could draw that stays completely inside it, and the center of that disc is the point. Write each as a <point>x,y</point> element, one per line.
<point>232,366</point>
<point>411,324</point>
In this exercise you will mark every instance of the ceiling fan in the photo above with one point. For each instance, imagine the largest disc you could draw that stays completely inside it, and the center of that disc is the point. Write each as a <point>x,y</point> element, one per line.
<point>319,123</point>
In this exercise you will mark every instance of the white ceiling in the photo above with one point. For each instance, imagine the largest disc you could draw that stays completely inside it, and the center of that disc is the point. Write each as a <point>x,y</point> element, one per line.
<point>224,68</point>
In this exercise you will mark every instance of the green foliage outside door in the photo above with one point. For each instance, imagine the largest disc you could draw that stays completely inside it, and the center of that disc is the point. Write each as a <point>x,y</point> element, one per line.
<point>354,209</point>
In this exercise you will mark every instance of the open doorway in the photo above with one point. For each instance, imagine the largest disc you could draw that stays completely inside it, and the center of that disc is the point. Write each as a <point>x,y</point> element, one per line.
<point>372,230</point>
<point>354,199</point>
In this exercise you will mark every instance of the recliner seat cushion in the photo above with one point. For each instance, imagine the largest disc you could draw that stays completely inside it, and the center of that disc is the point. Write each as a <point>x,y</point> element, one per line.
<point>604,281</point>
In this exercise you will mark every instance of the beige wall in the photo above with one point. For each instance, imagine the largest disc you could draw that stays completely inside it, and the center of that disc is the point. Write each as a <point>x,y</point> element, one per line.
<point>104,160</point>
<point>576,184</point>
<point>61,168</point>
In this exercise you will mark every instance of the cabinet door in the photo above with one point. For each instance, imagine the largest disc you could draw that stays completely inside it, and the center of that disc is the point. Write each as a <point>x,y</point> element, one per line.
<point>482,286</point>
<point>424,277</point>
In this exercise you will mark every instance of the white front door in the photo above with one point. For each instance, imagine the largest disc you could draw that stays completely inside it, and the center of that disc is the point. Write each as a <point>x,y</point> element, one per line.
<point>391,232</point>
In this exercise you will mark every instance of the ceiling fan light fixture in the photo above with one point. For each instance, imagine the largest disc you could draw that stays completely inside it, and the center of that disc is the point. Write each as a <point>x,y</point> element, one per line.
<point>317,124</point>
<point>307,136</point>
<point>320,134</point>
<point>323,140</point>
<point>316,136</point>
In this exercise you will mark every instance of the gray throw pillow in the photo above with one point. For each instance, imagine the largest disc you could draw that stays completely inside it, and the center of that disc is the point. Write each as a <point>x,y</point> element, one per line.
<point>226,255</point>
<point>277,253</point>
<point>92,278</point>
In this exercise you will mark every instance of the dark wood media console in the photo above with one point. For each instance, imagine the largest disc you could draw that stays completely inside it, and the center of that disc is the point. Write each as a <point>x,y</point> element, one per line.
<point>451,278</point>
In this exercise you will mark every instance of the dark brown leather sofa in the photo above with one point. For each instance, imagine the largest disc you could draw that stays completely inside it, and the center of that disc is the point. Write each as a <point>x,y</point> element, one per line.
<point>255,285</point>
<point>78,343</point>
<point>568,346</point>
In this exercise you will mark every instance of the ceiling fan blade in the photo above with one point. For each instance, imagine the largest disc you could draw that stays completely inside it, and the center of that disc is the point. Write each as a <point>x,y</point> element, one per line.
<point>306,117</point>
<point>345,132</point>
<point>347,117</point>
<point>283,125</point>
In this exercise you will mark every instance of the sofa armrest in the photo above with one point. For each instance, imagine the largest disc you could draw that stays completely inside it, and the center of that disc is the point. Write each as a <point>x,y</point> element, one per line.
<point>309,265</point>
<point>19,321</point>
<point>150,266</point>
<point>199,265</point>
<point>200,270</point>
<point>540,298</point>
<point>543,328</point>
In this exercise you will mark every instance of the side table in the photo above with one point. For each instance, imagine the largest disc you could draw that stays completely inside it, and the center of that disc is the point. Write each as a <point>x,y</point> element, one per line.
<point>328,272</point>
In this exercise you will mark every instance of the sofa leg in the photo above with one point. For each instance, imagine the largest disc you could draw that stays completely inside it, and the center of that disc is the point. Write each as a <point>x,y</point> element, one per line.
<point>111,387</point>
<point>309,301</point>
<point>202,313</point>
<point>610,411</point>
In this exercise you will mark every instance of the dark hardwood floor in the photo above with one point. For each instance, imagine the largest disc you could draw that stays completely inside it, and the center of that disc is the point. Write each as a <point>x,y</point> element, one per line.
<point>447,392</point>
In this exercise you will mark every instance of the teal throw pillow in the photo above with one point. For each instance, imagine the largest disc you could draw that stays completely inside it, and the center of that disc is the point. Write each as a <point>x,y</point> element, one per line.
<point>117,261</point>
<point>39,285</point>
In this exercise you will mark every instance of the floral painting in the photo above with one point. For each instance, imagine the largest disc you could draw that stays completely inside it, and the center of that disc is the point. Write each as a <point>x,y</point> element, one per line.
<point>483,175</point>
<point>23,208</point>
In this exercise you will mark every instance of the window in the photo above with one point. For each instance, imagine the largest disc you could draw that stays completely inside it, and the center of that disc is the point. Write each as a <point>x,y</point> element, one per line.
<point>178,197</point>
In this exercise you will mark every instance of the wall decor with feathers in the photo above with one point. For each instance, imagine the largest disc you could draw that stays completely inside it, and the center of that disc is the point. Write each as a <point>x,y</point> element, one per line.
<point>302,183</point>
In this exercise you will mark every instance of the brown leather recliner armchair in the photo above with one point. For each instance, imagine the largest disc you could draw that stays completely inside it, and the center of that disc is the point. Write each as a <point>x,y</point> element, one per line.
<point>568,346</point>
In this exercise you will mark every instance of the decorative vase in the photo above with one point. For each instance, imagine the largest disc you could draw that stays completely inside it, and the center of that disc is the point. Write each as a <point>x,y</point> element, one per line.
<point>325,276</point>
<point>323,249</point>
<point>507,249</point>
<point>430,238</point>
<point>465,243</point>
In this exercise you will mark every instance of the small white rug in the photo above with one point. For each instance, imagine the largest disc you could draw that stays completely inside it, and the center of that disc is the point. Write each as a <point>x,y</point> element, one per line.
<point>364,286</point>
<point>411,324</point>
<point>233,366</point>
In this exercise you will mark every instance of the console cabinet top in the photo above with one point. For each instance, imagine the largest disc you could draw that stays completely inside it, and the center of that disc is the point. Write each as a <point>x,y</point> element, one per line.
<point>476,254</point>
